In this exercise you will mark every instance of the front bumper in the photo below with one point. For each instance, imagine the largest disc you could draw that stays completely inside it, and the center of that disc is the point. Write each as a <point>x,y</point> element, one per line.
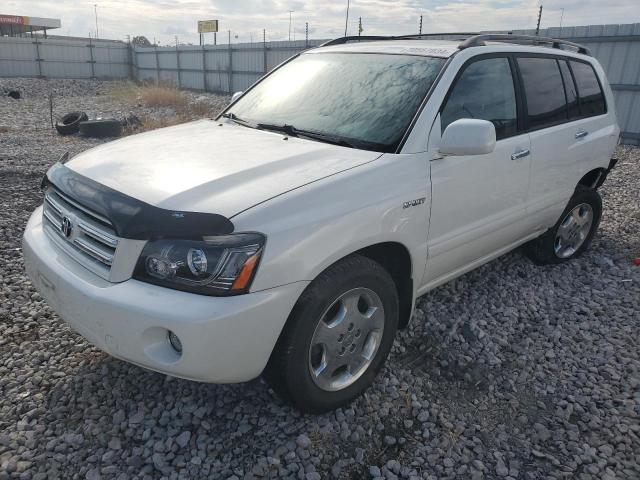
<point>224,339</point>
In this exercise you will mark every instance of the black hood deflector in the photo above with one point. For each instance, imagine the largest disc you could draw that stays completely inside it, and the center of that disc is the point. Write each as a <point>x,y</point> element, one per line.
<point>134,218</point>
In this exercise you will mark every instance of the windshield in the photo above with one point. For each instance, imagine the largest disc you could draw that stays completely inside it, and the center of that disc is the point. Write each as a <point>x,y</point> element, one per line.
<point>357,99</point>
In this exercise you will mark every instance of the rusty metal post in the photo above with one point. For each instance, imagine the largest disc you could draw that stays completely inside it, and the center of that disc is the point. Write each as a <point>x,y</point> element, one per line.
<point>204,68</point>
<point>178,63</point>
<point>38,58</point>
<point>264,49</point>
<point>155,48</point>
<point>230,66</point>
<point>91,61</point>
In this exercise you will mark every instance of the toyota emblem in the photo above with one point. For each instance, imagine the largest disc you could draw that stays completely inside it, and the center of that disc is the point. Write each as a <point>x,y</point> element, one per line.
<point>66,227</point>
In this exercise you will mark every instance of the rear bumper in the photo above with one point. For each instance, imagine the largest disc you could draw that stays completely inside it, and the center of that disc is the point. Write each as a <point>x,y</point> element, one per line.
<point>224,339</point>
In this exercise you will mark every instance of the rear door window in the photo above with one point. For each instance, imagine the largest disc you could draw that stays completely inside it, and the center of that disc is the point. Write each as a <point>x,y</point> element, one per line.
<point>591,98</point>
<point>485,91</point>
<point>544,91</point>
<point>570,90</point>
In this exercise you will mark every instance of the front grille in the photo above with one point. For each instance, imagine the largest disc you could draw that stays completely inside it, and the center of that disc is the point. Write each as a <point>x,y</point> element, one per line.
<point>88,237</point>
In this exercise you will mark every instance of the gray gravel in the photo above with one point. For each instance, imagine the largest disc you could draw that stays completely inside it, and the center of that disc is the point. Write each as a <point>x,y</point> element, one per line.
<point>512,371</point>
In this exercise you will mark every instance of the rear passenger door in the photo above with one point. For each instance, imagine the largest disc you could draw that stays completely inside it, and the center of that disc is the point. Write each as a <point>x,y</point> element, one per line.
<point>558,138</point>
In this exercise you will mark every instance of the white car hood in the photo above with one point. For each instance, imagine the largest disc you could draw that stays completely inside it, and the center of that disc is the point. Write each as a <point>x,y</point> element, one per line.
<point>204,167</point>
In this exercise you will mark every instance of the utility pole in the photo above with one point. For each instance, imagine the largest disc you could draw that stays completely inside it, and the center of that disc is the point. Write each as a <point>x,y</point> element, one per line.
<point>359,25</point>
<point>95,10</point>
<point>561,17</point>
<point>346,22</point>
<point>539,18</point>
<point>306,34</point>
<point>290,12</point>
<point>420,30</point>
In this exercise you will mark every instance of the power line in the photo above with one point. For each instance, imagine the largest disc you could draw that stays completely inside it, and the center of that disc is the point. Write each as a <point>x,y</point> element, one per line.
<point>539,18</point>
<point>95,10</point>
<point>346,22</point>
<point>290,12</point>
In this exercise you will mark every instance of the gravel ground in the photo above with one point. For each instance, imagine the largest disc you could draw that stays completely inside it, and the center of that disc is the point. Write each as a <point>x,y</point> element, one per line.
<point>511,371</point>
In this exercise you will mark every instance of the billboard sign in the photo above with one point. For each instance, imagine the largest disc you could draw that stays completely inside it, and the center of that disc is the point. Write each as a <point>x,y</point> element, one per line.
<point>14,20</point>
<point>207,26</point>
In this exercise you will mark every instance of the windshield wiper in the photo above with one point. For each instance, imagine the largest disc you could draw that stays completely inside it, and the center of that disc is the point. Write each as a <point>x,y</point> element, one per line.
<point>287,129</point>
<point>240,121</point>
<point>295,132</point>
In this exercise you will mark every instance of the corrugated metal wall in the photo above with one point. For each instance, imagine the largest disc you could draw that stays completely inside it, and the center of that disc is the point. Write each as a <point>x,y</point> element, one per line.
<point>62,58</point>
<point>617,48</point>
<point>207,68</point>
<point>224,68</point>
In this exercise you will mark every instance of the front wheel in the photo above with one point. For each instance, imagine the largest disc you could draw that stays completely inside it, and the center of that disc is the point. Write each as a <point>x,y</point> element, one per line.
<point>573,232</point>
<point>338,336</point>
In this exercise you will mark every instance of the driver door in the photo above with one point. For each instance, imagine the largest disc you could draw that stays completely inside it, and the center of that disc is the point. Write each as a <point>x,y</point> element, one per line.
<point>478,202</point>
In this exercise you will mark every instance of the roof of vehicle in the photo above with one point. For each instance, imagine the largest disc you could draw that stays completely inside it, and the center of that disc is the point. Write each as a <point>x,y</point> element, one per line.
<point>427,48</point>
<point>444,48</point>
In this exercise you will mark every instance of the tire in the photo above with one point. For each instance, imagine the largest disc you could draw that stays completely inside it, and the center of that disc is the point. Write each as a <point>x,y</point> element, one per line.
<point>550,249</point>
<point>354,282</point>
<point>101,128</point>
<point>70,123</point>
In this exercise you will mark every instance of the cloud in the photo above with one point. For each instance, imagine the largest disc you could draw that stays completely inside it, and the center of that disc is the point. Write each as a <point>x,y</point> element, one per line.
<point>163,19</point>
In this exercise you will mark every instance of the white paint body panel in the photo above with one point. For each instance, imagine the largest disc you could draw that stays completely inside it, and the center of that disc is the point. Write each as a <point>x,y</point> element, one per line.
<point>205,167</point>
<point>316,203</point>
<point>224,339</point>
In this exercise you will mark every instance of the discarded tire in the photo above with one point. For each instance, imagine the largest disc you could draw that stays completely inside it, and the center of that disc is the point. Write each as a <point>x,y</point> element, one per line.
<point>70,123</point>
<point>101,128</point>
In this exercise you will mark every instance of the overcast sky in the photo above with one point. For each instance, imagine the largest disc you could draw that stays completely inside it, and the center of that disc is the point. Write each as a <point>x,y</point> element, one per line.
<point>163,19</point>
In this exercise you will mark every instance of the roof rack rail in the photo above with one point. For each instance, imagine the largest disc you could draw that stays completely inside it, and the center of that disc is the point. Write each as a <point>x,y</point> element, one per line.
<point>357,38</point>
<point>415,36</point>
<point>479,41</point>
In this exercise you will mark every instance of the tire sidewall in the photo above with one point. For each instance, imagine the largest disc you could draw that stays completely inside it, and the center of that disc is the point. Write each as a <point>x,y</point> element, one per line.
<point>73,126</point>
<point>307,314</point>
<point>581,195</point>
<point>101,128</point>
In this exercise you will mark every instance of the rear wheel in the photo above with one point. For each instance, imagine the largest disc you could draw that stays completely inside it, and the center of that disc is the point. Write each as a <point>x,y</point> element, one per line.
<point>573,232</point>
<point>337,337</point>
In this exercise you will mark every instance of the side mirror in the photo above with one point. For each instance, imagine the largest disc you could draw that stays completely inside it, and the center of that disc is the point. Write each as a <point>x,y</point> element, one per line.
<point>236,96</point>
<point>468,136</point>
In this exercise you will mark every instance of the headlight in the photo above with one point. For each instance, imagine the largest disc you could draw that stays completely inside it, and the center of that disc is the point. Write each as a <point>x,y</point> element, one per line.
<point>222,265</point>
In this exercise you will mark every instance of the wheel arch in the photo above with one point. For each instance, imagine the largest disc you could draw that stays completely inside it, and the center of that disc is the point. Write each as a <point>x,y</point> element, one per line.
<point>395,258</point>
<point>594,178</point>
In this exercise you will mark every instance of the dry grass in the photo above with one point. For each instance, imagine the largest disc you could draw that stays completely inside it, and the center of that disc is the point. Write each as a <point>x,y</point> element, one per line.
<point>153,123</point>
<point>182,108</point>
<point>154,96</point>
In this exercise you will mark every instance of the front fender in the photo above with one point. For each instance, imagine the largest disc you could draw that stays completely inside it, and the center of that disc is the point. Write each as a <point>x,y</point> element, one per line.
<point>312,227</point>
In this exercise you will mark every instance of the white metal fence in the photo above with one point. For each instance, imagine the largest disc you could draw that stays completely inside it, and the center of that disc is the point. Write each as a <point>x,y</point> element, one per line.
<point>218,68</point>
<point>63,58</point>
<point>229,68</point>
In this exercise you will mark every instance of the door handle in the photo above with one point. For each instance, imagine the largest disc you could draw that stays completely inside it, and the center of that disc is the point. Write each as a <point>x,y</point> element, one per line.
<point>520,154</point>
<point>581,134</point>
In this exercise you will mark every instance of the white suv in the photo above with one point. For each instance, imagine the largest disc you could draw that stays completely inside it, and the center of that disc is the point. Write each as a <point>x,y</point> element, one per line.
<point>292,234</point>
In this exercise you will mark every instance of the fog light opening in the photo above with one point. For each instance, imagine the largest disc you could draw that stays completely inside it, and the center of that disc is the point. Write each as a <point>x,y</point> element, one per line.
<point>174,341</point>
